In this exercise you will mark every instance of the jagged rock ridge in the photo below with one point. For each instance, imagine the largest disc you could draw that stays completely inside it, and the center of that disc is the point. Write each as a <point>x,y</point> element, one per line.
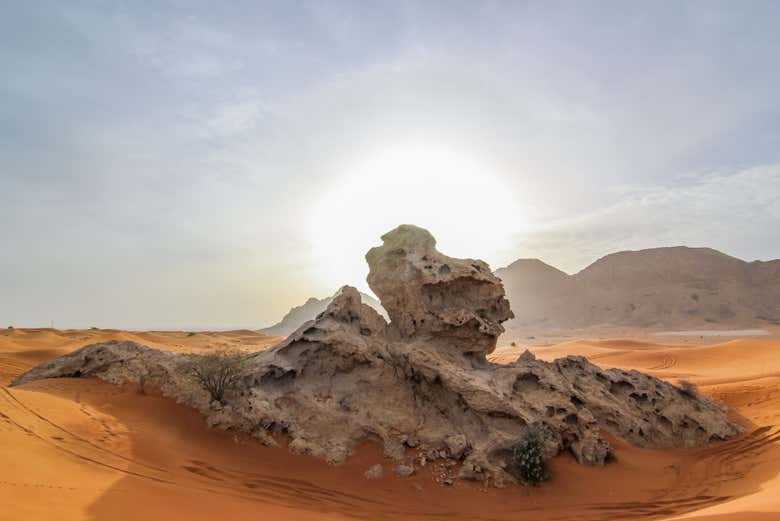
<point>298,315</point>
<point>423,380</point>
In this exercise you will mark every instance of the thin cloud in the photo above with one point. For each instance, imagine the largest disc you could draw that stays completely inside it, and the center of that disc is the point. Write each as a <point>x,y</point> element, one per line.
<point>737,213</point>
<point>186,144</point>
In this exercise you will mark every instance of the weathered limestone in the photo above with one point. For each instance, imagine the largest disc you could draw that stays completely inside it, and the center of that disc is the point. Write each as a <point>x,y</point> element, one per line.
<point>421,384</point>
<point>427,294</point>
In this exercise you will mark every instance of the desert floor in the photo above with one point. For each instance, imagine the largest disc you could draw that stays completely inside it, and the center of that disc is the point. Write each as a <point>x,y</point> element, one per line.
<point>84,449</point>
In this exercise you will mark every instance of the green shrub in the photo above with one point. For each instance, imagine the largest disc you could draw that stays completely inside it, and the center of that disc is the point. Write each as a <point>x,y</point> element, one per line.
<point>527,461</point>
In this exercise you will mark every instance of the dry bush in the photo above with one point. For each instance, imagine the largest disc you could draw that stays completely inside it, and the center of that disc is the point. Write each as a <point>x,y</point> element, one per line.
<point>688,388</point>
<point>217,372</point>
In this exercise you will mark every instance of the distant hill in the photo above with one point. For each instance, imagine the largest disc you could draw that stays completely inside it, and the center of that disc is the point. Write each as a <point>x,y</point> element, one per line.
<point>676,287</point>
<point>310,309</point>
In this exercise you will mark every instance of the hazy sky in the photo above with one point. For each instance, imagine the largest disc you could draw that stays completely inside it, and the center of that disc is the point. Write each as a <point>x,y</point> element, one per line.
<point>210,164</point>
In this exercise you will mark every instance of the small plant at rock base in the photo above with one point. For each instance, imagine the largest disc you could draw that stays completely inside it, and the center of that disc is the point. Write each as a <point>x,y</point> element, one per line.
<point>217,372</point>
<point>513,344</point>
<point>688,388</point>
<point>527,461</point>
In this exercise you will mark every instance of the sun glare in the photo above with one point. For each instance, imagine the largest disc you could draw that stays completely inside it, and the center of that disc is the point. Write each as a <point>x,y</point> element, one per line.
<point>469,211</point>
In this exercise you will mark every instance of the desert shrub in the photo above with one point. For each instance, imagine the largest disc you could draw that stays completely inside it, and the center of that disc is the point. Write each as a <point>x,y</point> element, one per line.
<point>527,459</point>
<point>513,344</point>
<point>191,333</point>
<point>688,388</point>
<point>217,372</point>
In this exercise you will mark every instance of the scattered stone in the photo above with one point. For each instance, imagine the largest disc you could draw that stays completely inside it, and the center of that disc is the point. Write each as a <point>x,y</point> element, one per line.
<point>374,472</point>
<point>394,449</point>
<point>456,445</point>
<point>404,470</point>
<point>410,441</point>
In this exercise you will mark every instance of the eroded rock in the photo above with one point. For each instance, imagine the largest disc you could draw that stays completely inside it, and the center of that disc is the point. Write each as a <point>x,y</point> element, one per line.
<point>428,294</point>
<point>456,445</point>
<point>421,381</point>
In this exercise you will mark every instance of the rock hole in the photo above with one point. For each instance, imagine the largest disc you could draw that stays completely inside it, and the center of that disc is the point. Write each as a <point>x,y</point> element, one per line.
<point>620,387</point>
<point>526,382</point>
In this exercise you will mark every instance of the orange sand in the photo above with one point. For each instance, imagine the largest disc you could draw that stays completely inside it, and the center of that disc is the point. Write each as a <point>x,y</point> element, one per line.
<point>84,449</point>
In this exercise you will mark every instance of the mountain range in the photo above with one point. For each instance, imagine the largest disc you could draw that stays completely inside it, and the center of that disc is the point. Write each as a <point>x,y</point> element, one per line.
<point>676,287</point>
<point>670,288</point>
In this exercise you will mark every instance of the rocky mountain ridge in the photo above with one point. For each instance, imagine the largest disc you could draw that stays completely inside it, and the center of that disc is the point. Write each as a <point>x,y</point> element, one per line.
<point>677,287</point>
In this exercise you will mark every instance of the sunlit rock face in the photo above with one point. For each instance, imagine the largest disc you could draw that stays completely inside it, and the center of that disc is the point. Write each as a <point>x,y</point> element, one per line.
<point>428,294</point>
<point>421,385</point>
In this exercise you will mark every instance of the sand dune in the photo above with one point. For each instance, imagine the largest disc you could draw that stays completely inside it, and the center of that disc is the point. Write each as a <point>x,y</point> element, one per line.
<point>83,449</point>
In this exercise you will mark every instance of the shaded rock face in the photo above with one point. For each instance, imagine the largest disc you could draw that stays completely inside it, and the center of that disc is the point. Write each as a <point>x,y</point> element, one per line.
<point>308,311</point>
<point>427,294</point>
<point>348,377</point>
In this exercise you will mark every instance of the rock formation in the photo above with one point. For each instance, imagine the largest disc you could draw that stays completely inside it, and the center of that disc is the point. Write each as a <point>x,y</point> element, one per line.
<point>420,385</point>
<point>308,311</point>
<point>430,296</point>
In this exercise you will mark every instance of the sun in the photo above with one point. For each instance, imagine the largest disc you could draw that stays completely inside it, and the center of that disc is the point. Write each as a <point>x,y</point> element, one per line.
<point>467,207</point>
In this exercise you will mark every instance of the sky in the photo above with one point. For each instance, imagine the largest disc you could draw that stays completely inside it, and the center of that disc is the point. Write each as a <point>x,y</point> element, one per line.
<point>196,165</point>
